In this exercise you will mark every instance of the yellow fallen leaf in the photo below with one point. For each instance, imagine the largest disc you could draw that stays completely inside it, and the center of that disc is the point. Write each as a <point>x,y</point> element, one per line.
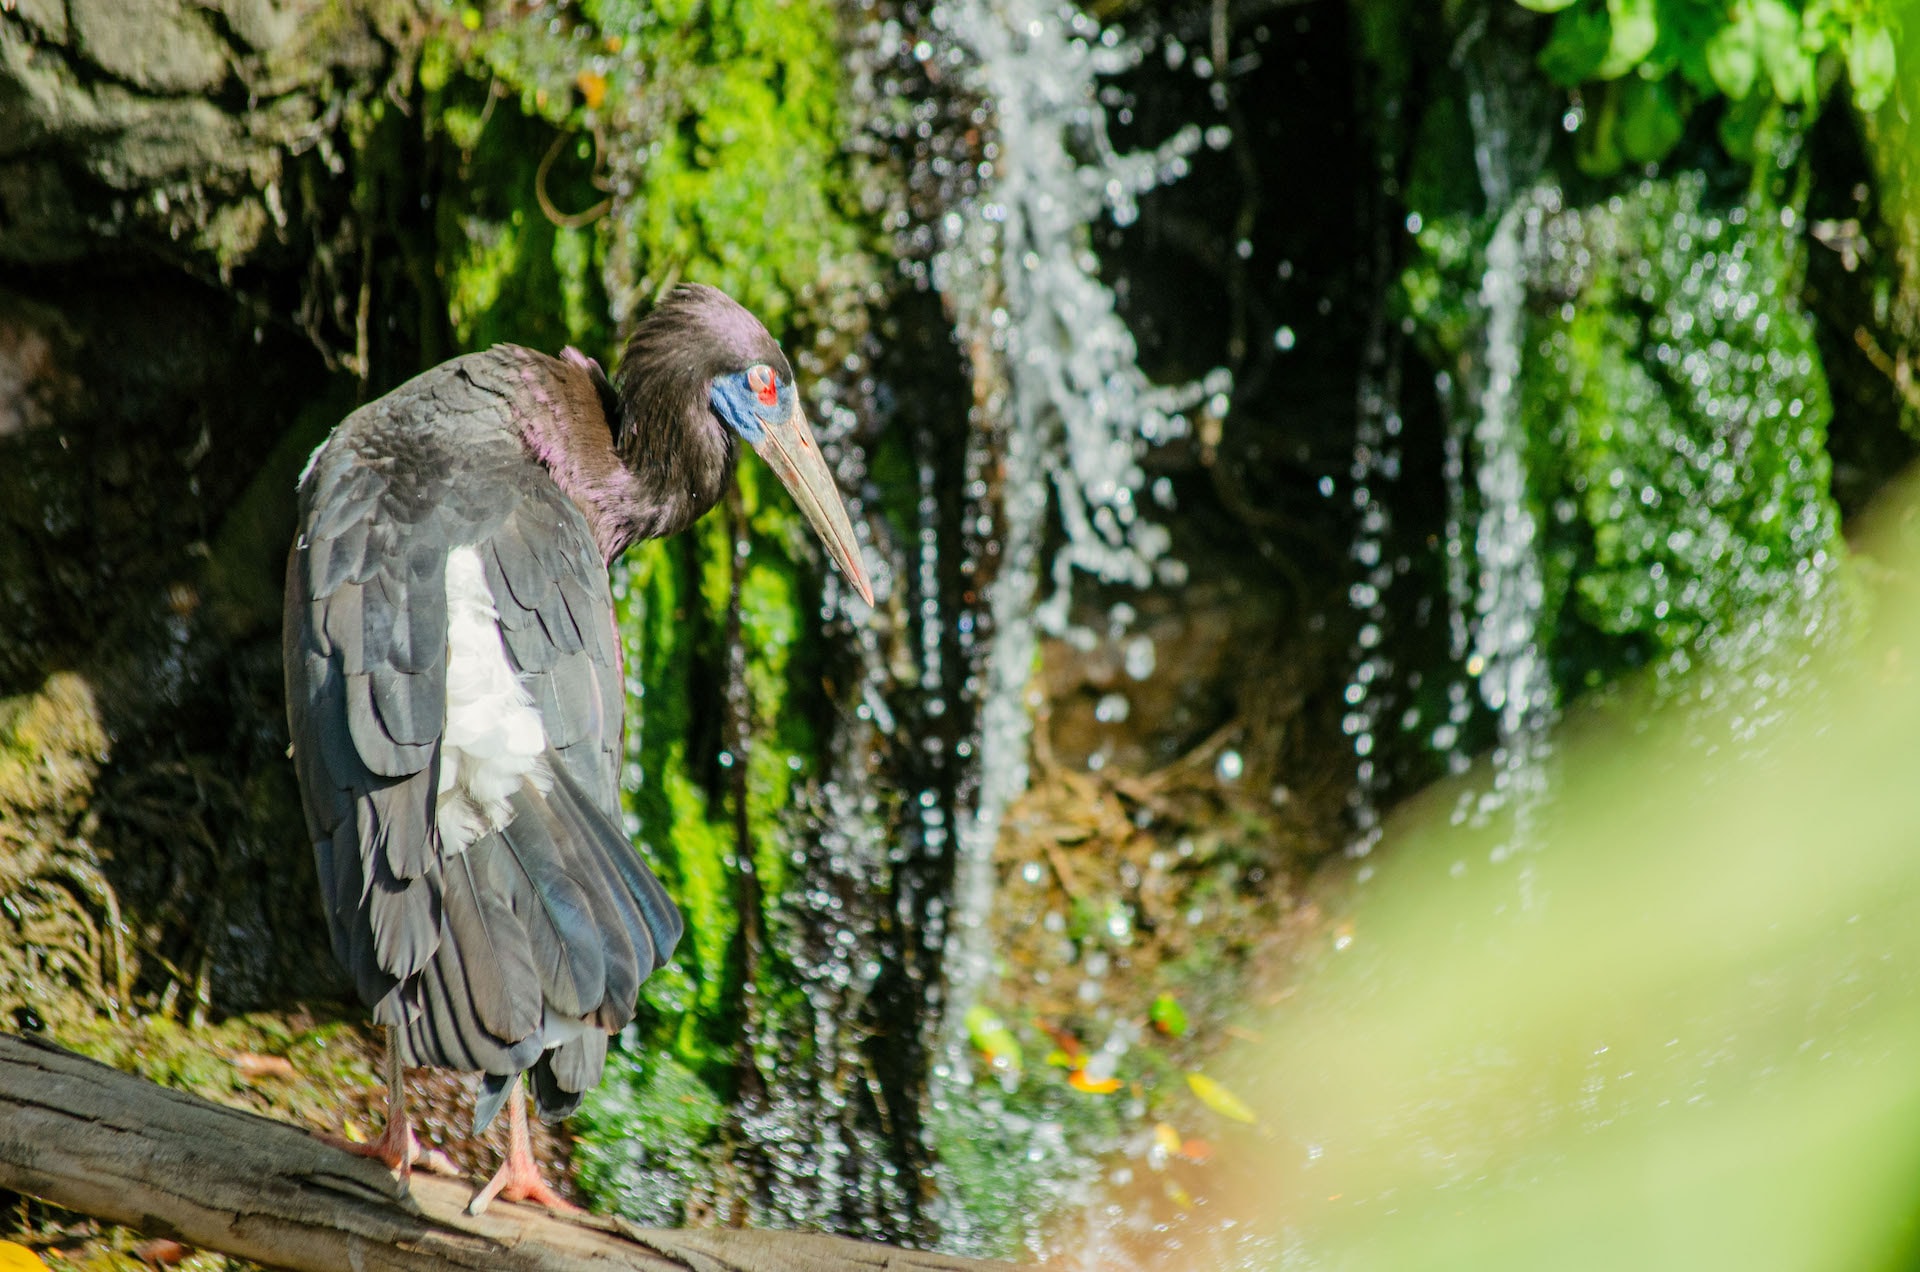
<point>593,88</point>
<point>1080,1080</point>
<point>1219,1099</point>
<point>17,1258</point>
<point>1166,1139</point>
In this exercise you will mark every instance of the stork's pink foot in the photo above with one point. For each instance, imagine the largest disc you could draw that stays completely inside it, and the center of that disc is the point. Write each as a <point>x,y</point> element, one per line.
<point>388,1152</point>
<point>518,1178</point>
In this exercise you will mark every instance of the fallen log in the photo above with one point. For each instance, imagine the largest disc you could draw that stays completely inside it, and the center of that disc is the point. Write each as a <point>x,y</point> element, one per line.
<point>89,1138</point>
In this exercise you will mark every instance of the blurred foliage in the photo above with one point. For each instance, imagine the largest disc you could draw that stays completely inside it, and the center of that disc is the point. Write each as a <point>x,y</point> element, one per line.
<point>1681,1030</point>
<point>1647,65</point>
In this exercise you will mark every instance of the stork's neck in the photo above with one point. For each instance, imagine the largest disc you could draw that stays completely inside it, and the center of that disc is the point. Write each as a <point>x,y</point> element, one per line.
<point>568,420</point>
<point>563,424</point>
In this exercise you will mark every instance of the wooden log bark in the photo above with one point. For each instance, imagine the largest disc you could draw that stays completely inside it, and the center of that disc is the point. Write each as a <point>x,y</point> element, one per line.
<point>80,1135</point>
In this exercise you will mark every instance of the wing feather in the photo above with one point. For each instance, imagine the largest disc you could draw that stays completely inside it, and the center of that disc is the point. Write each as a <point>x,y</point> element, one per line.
<point>502,983</point>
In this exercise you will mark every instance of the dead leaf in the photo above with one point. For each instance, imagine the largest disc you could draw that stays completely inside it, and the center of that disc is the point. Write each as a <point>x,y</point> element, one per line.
<point>161,1252</point>
<point>1197,1151</point>
<point>253,1066</point>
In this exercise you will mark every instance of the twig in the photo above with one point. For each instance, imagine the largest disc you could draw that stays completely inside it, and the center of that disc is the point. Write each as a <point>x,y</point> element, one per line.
<point>578,220</point>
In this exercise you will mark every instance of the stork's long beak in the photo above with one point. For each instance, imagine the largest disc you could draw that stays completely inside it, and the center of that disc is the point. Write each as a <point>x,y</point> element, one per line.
<point>789,446</point>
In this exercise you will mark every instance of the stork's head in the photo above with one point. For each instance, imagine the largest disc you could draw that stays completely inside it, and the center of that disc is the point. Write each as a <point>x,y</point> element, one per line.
<point>700,372</point>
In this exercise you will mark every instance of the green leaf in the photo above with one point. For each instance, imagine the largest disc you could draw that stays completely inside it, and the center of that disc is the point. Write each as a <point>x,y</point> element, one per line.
<point>1545,6</point>
<point>1782,51</point>
<point>993,1039</point>
<point>1870,65</point>
<point>1578,45</point>
<point>1635,30</point>
<point>1733,54</point>
<point>1651,120</point>
<point>1168,1016</point>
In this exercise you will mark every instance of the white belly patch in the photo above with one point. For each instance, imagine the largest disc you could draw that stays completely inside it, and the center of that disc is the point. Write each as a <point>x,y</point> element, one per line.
<point>493,742</point>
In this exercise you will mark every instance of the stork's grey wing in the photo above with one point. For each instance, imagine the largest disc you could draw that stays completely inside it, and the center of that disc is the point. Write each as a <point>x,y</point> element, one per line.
<point>473,943</point>
<point>556,616</point>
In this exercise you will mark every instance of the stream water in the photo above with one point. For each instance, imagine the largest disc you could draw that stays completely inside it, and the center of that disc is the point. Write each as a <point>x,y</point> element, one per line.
<point>1064,415</point>
<point>1497,612</point>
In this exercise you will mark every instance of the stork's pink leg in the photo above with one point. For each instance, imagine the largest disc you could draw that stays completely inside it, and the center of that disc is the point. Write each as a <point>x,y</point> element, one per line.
<point>518,1178</point>
<point>397,1148</point>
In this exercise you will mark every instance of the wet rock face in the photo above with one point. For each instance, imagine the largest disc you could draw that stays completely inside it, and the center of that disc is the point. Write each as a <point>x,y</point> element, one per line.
<point>185,250</point>
<point>161,46</point>
<point>115,125</point>
<point>141,502</point>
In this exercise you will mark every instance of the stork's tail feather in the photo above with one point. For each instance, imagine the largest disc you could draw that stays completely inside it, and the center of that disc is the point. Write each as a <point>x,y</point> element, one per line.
<point>565,1074</point>
<point>614,855</point>
<point>596,924</point>
<point>494,1090</point>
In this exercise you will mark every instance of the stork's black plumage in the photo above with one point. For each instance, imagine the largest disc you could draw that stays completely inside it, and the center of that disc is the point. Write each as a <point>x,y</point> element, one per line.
<point>454,681</point>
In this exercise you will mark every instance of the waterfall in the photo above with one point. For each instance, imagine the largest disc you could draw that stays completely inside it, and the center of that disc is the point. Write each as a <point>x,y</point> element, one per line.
<point>1497,578</point>
<point>1074,411</point>
<point>1508,592</point>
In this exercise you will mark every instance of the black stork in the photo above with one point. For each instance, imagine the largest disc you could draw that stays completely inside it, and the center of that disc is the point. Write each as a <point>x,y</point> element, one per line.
<point>455,690</point>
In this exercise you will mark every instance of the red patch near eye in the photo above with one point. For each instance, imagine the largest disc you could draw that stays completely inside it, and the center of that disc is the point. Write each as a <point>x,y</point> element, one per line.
<point>765,384</point>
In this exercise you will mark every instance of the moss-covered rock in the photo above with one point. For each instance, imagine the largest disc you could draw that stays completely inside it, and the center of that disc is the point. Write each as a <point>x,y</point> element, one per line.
<point>1669,401</point>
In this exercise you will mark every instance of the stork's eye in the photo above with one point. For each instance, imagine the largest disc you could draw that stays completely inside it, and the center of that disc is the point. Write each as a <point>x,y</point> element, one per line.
<point>764,383</point>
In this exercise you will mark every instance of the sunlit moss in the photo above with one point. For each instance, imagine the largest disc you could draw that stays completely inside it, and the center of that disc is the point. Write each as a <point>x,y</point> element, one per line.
<point>1681,388</point>
<point>510,272</point>
<point>687,844</point>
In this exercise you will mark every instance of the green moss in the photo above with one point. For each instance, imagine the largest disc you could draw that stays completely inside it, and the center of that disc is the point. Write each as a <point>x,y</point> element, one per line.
<point>1674,406</point>
<point>510,272</point>
<point>1682,392</point>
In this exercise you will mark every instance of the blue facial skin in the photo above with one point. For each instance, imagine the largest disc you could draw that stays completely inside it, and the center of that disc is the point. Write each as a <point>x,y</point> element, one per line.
<point>736,403</point>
